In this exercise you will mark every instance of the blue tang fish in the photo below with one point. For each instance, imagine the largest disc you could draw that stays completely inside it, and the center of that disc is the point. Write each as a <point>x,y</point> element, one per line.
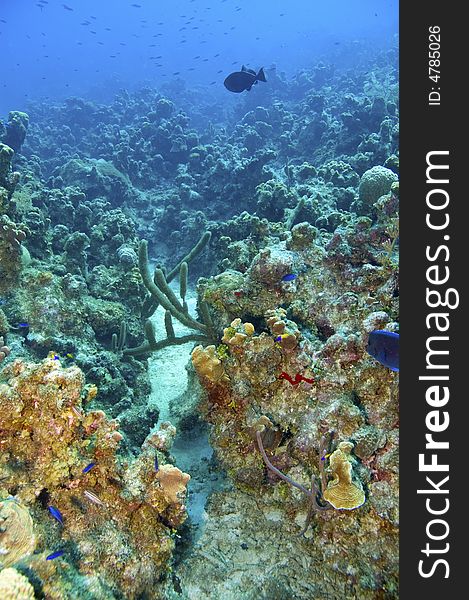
<point>384,347</point>
<point>289,277</point>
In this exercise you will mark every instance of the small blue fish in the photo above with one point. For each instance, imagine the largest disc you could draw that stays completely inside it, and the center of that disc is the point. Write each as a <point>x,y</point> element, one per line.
<point>55,555</point>
<point>23,324</point>
<point>157,466</point>
<point>56,357</point>
<point>278,338</point>
<point>55,512</point>
<point>289,277</point>
<point>384,347</point>
<point>88,468</point>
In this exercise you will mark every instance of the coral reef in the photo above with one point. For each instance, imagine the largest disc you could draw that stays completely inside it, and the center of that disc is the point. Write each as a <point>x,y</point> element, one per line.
<point>102,208</point>
<point>118,517</point>
<point>309,388</point>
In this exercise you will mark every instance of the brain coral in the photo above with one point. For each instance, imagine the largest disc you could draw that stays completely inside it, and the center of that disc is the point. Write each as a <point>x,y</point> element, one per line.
<point>375,183</point>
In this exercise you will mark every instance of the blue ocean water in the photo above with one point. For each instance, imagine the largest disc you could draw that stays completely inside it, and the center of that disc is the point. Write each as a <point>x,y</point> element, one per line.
<point>91,48</point>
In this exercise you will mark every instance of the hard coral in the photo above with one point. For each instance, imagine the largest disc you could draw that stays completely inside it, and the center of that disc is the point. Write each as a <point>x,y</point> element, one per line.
<point>173,482</point>
<point>16,129</point>
<point>117,517</point>
<point>341,492</point>
<point>374,183</point>
<point>17,537</point>
<point>6,154</point>
<point>11,251</point>
<point>4,349</point>
<point>15,586</point>
<point>207,364</point>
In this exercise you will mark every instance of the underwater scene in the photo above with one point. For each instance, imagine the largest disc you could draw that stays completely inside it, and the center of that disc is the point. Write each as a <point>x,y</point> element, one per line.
<point>199,300</point>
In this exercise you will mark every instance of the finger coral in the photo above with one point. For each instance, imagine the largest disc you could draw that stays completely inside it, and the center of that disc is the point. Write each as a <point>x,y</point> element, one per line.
<point>118,517</point>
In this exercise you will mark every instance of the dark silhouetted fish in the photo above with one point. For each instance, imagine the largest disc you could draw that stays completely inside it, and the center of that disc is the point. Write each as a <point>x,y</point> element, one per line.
<point>243,80</point>
<point>384,347</point>
<point>67,7</point>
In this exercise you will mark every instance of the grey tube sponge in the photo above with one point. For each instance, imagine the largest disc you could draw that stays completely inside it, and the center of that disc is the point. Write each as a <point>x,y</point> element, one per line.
<point>161,293</point>
<point>150,304</point>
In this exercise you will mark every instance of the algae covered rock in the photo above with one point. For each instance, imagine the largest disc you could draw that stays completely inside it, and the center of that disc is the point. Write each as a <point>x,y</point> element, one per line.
<point>6,154</point>
<point>96,178</point>
<point>16,129</point>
